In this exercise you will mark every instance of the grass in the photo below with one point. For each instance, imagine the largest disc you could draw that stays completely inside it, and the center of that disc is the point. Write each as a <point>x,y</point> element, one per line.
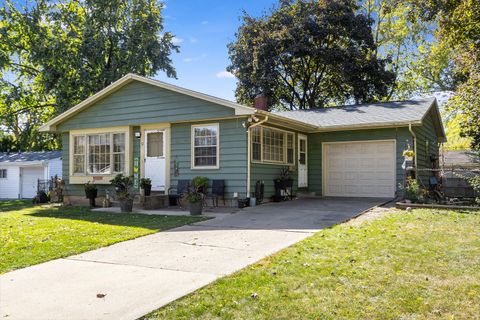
<point>34,234</point>
<point>422,265</point>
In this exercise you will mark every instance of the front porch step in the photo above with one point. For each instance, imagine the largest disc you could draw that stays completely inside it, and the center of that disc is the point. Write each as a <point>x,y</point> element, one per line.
<point>152,202</point>
<point>305,194</point>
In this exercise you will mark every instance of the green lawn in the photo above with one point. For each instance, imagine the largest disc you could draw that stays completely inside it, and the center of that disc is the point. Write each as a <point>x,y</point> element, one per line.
<point>34,234</point>
<point>423,265</point>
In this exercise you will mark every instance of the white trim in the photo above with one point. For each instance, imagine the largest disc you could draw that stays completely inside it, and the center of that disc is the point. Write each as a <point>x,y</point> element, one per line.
<point>304,137</point>
<point>324,186</point>
<point>192,146</point>
<point>80,178</point>
<point>51,125</point>
<point>272,162</point>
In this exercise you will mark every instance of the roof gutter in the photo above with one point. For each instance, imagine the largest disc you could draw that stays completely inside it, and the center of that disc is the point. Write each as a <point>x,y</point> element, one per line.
<point>249,151</point>
<point>414,147</point>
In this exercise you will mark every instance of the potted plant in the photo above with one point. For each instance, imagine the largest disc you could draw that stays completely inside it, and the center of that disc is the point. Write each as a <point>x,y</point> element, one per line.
<point>124,190</point>
<point>146,186</point>
<point>412,191</point>
<point>282,183</point>
<point>91,193</point>
<point>196,194</point>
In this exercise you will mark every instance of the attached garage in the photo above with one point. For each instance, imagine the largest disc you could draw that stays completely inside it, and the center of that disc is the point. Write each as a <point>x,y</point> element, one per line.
<point>359,169</point>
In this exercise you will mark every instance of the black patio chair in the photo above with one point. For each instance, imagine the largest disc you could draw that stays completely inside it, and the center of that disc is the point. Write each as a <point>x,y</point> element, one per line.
<point>218,190</point>
<point>175,193</point>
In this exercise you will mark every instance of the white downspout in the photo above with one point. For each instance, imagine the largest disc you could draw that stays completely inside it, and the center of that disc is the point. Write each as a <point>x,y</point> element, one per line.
<point>249,151</point>
<point>414,148</point>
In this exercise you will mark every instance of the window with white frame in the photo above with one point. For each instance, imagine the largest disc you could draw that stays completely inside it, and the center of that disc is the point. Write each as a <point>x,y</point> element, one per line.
<point>3,173</point>
<point>100,153</point>
<point>205,144</point>
<point>272,145</point>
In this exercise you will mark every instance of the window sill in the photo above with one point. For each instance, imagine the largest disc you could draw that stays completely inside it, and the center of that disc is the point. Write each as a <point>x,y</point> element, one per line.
<point>274,163</point>
<point>205,168</point>
<point>97,179</point>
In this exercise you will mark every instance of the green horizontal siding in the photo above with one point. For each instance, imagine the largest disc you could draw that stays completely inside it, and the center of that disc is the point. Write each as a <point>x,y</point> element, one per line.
<point>267,173</point>
<point>426,132</point>
<point>315,140</point>
<point>139,103</point>
<point>233,156</point>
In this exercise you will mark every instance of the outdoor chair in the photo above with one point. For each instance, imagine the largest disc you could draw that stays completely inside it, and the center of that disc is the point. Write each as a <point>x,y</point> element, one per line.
<point>218,190</point>
<point>175,193</point>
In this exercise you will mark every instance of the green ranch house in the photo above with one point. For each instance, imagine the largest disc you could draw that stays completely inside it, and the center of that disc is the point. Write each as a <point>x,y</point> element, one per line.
<point>166,133</point>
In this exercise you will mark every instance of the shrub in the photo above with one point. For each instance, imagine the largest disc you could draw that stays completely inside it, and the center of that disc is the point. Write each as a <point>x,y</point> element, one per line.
<point>123,186</point>
<point>412,190</point>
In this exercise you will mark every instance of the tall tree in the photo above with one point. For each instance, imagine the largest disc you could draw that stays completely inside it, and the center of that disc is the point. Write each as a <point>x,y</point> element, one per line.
<point>459,31</point>
<point>308,54</point>
<point>55,54</point>
<point>419,63</point>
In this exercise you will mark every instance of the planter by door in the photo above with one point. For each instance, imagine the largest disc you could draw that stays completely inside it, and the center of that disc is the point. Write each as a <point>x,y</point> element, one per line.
<point>91,194</point>
<point>147,189</point>
<point>196,208</point>
<point>126,205</point>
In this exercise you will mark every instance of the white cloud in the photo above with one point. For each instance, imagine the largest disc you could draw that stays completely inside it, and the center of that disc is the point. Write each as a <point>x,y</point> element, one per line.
<point>193,59</point>
<point>176,40</point>
<point>193,40</point>
<point>225,75</point>
<point>204,22</point>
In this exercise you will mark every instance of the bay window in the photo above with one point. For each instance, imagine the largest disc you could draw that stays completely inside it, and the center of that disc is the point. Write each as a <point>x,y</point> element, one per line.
<point>272,145</point>
<point>98,154</point>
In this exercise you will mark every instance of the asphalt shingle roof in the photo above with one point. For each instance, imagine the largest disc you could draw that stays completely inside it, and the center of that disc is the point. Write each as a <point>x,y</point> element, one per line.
<point>29,156</point>
<point>363,114</point>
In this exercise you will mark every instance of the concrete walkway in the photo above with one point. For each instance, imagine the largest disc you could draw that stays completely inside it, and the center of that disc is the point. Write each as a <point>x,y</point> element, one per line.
<point>140,275</point>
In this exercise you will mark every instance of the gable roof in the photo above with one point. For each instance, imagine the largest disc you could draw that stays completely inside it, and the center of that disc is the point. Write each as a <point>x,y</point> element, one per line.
<point>50,125</point>
<point>364,116</point>
<point>18,157</point>
<point>384,114</point>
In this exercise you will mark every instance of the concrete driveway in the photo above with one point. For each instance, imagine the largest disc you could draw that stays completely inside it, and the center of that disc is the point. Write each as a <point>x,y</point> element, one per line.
<point>143,274</point>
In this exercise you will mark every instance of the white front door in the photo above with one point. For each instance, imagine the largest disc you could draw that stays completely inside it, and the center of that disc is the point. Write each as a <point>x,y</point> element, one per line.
<point>359,169</point>
<point>302,161</point>
<point>155,163</point>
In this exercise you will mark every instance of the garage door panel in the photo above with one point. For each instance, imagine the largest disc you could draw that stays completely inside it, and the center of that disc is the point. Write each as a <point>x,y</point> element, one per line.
<point>360,169</point>
<point>29,180</point>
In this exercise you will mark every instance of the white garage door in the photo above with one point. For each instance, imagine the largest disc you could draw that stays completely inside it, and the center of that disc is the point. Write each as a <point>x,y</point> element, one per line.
<point>29,179</point>
<point>359,169</point>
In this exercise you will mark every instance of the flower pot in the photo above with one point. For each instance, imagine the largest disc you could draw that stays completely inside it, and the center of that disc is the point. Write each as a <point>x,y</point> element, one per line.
<point>147,189</point>
<point>126,205</point>
<point>196,208</point>
<point>242,203</point>
<point>91,193</point>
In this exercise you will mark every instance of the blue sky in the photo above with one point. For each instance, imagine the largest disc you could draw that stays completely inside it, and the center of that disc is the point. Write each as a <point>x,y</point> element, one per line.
<point>203,29</point>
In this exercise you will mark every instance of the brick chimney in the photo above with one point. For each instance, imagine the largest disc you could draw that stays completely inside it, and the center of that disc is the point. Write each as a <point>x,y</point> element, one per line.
<point>261,102</point>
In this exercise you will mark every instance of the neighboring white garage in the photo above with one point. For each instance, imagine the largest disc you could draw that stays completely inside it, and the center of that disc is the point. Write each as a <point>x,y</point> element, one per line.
<point>20,172</point>
<point>359,169</point>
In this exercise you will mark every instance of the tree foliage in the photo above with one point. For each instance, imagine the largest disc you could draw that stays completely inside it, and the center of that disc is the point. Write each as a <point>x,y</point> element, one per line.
<point>420,64</point>
<point>459,30</point>
<point>55,54</point>
<point>308,54</point>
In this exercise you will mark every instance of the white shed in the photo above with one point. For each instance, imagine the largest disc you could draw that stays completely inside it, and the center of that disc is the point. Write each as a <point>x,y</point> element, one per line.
<point>20,172</point>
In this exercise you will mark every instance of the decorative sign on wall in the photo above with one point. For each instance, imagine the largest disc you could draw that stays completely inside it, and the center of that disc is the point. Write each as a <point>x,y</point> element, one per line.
<point>136,172</point>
